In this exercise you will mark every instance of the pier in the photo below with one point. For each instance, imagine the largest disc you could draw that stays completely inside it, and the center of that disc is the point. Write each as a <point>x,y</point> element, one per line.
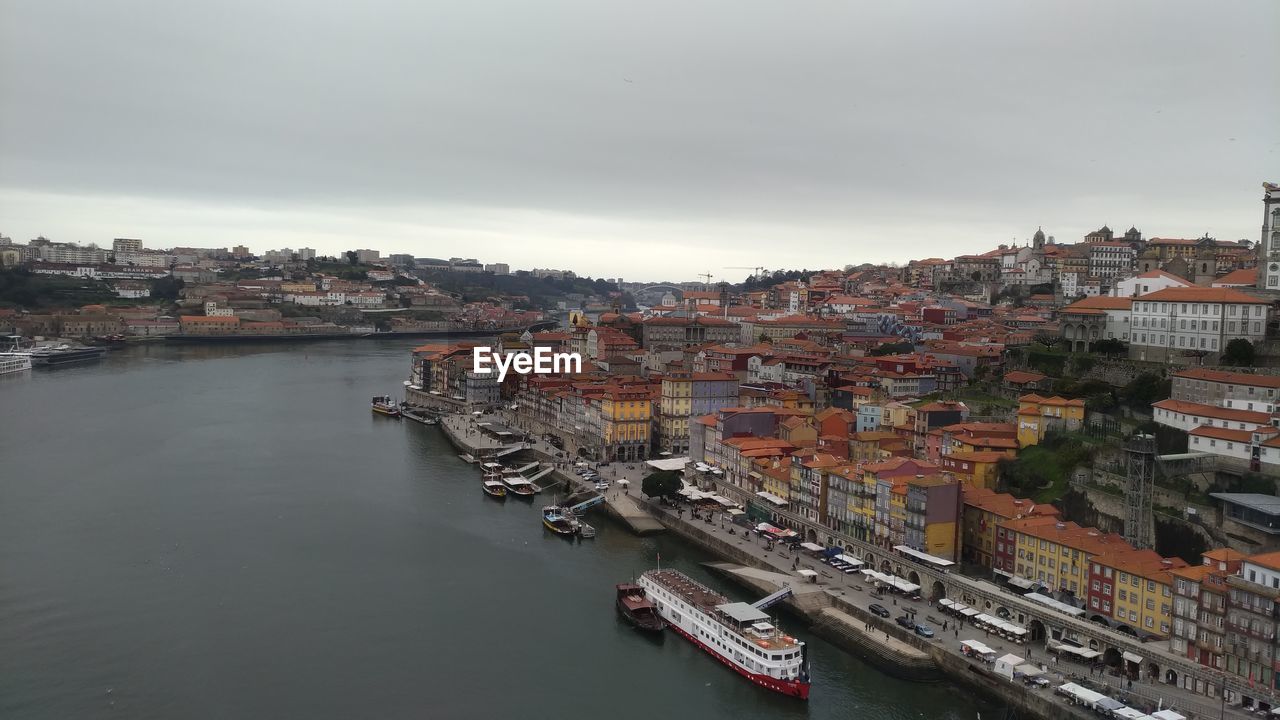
<point>468,433</point>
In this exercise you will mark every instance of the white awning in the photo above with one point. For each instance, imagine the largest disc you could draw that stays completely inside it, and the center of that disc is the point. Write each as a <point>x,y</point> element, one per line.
<point>849,560</point>
<point>770,497</point>
<point>1021,582</point>
<point>930,559</point>
<point>1131,657</point>
<point>808,573</point>
<point>812,547</point>
<point>676,463</point>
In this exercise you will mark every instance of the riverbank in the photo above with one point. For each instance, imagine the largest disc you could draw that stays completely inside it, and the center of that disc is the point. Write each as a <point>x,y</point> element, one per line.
<point>835,609</point>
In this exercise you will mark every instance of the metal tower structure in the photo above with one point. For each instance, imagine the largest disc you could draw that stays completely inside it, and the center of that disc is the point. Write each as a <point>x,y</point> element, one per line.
<point>1138,524</point>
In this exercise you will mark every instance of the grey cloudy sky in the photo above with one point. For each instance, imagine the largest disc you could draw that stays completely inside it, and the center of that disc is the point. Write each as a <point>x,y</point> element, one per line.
<point>647,140</point>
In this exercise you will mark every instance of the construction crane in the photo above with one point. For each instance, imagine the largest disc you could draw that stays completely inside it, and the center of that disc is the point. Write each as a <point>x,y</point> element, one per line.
<point>755,271</point>
<point>706,275</point>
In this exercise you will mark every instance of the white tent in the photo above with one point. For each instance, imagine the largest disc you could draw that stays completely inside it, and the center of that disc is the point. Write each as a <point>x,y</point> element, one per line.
<point>1168,715</point>
<point>1005,665</point>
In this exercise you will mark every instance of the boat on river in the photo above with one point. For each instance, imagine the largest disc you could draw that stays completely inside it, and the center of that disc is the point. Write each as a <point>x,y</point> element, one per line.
<point>517,484</point>
<point>637,609</point>
<point>494,488</point>
<point>384,405</point>
<point>559,520</point>
<point>738,634</point>
<point>52,356</point>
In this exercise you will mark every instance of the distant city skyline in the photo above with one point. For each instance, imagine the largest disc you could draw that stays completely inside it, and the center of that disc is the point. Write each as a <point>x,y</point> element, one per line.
<point>690,137</point>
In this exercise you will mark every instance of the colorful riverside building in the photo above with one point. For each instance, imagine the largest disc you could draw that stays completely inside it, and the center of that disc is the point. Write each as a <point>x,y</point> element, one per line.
<point>687,395</point>
<point>442,374</point>
<point>1038,415</point>
<point>984,510</point>
<point>1133,589</point>
<point>626,414</point>
<point>1047,553</point>
<point>1226,615</point>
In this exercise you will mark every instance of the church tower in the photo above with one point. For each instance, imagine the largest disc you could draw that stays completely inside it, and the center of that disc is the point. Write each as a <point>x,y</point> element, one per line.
<point>1269,248</point>
<point>1037,240</point>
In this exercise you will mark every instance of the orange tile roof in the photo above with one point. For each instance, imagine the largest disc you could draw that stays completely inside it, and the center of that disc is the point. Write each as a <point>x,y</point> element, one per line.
<point>1268,560</point>
<point>1006,505</point>
<point>1224,554</point>
<point>1021,377</point>
<point>1244,276</point>
<point>1218,433</point>
<point>1213,411</point>
<point>1203,295</point>
<point>1224,376</point>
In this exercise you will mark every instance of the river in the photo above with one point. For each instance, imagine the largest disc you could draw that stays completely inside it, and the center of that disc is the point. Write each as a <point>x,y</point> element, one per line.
<point>228,532</point>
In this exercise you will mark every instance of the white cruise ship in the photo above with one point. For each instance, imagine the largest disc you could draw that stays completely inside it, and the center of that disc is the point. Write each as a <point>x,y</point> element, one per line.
<point>740,635</point>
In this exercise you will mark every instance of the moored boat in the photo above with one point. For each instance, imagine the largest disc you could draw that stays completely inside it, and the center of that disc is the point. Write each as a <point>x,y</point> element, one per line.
<point>559,521</point>
<point>637,609</point>
<point>738,634</point>
<point>64,355</point>
<point>518,485</point>
<point>384,405</point>
<point>494,488</point>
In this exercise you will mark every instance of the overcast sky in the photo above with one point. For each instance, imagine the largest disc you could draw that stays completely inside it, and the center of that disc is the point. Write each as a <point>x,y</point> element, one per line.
<point>644,140</point>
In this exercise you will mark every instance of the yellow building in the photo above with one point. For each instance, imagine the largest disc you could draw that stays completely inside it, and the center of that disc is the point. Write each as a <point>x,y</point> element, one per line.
<point>674,410</point>
<point>798,431</point>
<point>1050,553</point>
<point>625,423</point>
<point>1039,415</point>
<point>984,510</point>
<point>1138,586</point>
<point>773,475</point>
<point>978,469</point>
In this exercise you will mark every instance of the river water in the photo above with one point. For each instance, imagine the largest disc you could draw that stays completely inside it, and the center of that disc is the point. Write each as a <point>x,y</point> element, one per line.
<point>228,532</point>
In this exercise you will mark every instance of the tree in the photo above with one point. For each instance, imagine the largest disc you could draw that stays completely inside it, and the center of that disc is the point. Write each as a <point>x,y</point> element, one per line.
<point>663,483</point>
<point>1047,339</point>
<point>1109,346</point>
<point>1144,390</point>
<point>352,257</point>
<point>167,287</point>
<point>1239,352</point>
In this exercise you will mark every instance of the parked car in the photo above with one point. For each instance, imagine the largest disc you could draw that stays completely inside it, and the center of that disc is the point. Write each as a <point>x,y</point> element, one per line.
<point>924,631</point>
<point>906,622</point>
<point>602,486</point>
<point>878,610</point>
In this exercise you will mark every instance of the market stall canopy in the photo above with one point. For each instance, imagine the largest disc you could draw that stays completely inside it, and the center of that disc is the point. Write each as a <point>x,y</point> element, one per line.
<point>675,463</point>
<point>771,498</point>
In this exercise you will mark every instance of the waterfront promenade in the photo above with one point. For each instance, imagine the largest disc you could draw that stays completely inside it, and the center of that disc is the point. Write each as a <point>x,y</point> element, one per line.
<point>853,590</point>
<point>1143,691</point>
<point>625,504</point>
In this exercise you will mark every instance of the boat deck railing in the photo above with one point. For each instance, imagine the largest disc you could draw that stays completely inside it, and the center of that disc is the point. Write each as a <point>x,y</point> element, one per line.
<point>706,599</point>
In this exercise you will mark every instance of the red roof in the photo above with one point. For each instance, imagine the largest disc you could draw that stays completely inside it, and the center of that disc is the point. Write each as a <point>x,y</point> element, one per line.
<point>1203,295</point>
